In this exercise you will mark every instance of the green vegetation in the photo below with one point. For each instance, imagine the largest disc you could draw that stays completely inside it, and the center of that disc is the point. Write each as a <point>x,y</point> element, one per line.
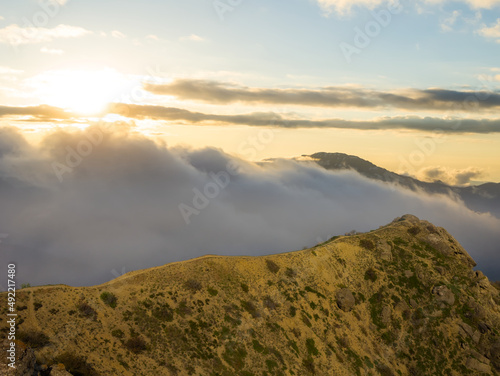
<point>193,285</point>
<point>136,344</point>
<point>86,310</point>
<point>212,291</point>
<point>414,230</point>
<point>367,244</point>
<point>291,273</point>
<point>118,333</point>
<point>376,305</point>
<point>109,299</point>
<point>257,346</point>
<point>272,266</point>
<point>310,289</point>
<point>371,275</point>
<point>400,242</point>
<point>235,355</point>
<point>250,308</point>
<point>311,347</point>
<point>271,365</point>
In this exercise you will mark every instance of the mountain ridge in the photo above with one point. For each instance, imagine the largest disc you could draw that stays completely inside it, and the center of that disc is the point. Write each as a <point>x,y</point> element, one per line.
<point>368,304</point>
<point>484,197</point>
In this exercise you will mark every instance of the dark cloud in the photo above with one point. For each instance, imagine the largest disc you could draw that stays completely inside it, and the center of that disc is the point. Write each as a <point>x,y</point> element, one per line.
<point>46,113</point>
<point>40,113</point>
<point>120,199</point>
<point>430,124</point>
<point>329,96</point>
<point>450,176</point>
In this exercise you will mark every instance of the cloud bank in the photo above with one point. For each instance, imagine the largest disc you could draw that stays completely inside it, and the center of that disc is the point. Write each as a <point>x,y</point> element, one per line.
<point>41,113</point>
<point>44,113</point>
<point>260,119</point>
<point>329,96</point>
<point>119,206</point>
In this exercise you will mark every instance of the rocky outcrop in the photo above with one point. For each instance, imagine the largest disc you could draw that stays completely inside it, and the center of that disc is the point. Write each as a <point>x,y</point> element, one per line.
<point>385,250</point>
<point>345,300</point>
<point>59,370</point>
<point>444,295</point>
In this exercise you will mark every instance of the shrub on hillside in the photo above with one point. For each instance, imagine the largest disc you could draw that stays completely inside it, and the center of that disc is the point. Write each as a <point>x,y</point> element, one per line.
<point>86,310</point>
<point>192,285</point>
<point>118,333</point>
<point>272,266</point>
<point>34,338</point>
<point>371,275</point>
<point>415,230</point>
<point>269,303</point>
<point>250,308</point>
<point>136,345</point>
<point>290,273</point>
<point>109,298</point>
<point>367,244</point>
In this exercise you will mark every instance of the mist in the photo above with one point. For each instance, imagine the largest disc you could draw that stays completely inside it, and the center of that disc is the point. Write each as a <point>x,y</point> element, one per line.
<point>82,207</point>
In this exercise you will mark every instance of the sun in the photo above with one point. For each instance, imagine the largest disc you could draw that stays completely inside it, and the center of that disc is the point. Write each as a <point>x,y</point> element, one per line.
<point>81,91</point>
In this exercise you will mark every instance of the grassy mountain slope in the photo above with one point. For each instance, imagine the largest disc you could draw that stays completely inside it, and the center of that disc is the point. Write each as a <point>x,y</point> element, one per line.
<point>401,300</point>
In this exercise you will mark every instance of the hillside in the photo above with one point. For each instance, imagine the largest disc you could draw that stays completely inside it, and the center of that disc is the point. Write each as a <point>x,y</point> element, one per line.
<point>483,198</point>
<point>400,300</point>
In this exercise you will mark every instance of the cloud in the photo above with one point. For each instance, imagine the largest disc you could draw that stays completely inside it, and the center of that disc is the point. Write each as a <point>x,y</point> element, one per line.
<point>16,35</point>
<point>118,34</point>
<point>9,71</point>
<point>492,32</point>
<point>344,7</point>
<point>447,24</point>
<point>44,113</point>
<point>482,4</point>
<point>193,38</point>
<point>51,51</point>
<point>39,113</point>
<point>329,96</point>
<point>118,207</point>
<point>271,119</point>
<point>450,176</point>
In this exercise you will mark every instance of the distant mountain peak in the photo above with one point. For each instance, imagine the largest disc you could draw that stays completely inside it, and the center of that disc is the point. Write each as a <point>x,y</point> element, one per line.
<point>483,198</point>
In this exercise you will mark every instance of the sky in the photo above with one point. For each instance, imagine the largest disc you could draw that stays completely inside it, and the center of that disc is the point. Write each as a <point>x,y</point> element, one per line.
<point>369,77</point>
<point>115,115</point>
